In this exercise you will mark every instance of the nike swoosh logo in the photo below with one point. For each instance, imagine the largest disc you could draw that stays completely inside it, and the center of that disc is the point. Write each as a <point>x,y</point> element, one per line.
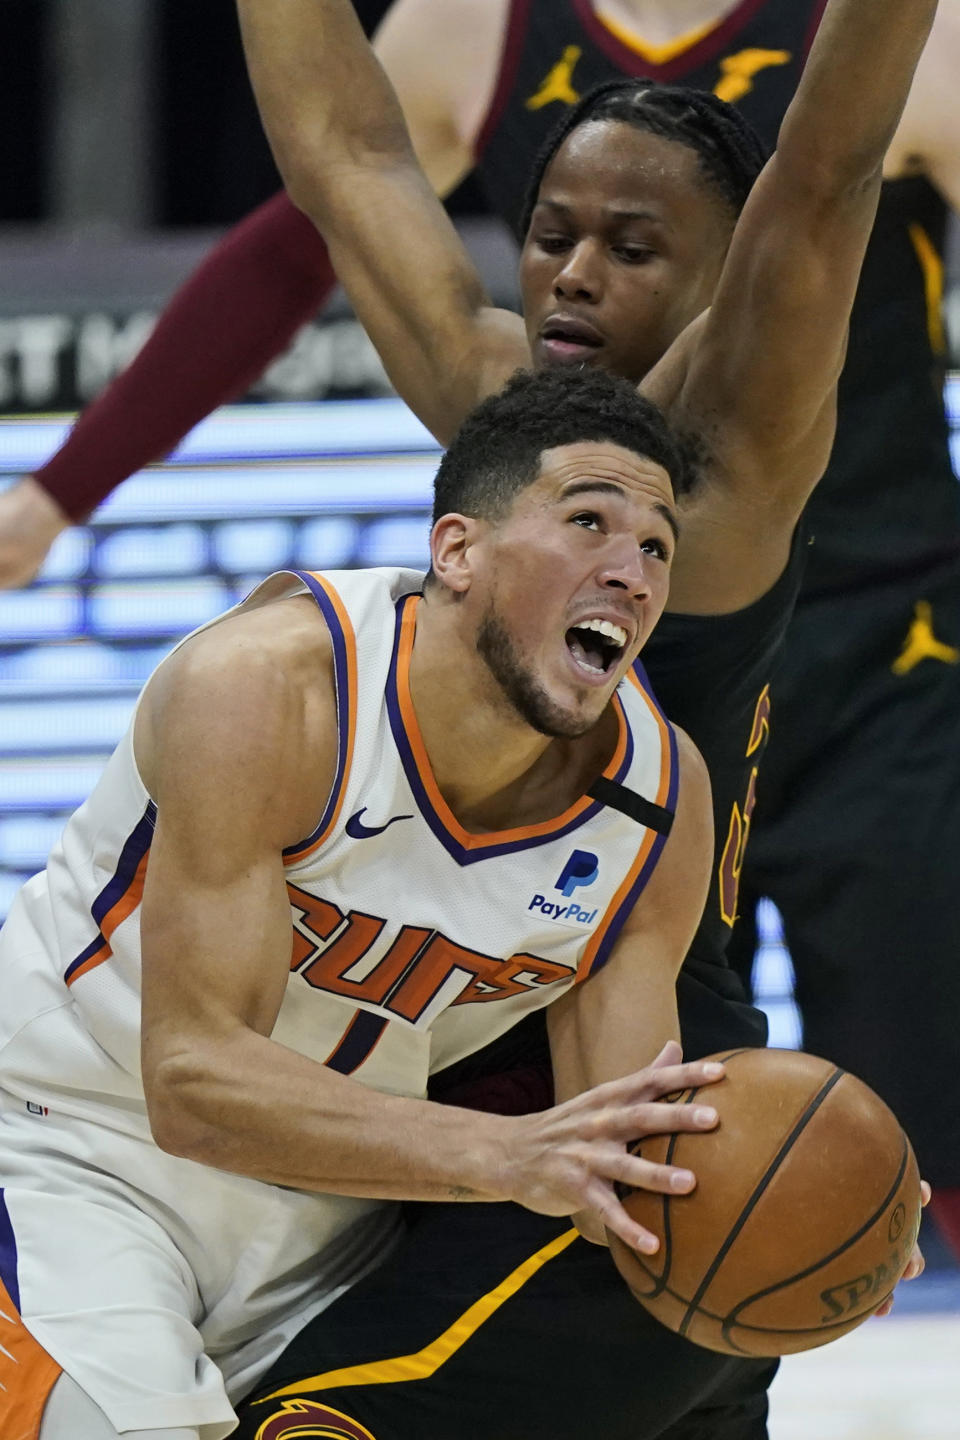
<point>356,829</point>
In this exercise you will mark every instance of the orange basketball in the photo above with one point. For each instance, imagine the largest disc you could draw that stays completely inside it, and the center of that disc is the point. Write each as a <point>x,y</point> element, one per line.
<point>805,1214</point>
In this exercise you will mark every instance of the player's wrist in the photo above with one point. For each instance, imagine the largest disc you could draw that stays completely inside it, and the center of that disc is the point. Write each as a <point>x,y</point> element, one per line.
<point>482,1155</point>
<point>44,507</point>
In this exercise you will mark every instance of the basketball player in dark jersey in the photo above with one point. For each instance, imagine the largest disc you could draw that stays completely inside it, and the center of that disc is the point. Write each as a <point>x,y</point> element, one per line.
<point>482,82</point>
<point>401,1355</point>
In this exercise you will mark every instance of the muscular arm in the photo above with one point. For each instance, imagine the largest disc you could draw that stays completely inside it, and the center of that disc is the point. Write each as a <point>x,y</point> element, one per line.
<point>339,138</point>
<point>622,1016</point>
<point>220,739</point>
<point>759,386</point>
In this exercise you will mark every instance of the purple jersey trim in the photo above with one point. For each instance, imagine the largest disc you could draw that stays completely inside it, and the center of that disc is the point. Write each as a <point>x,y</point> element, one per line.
<point>135,847</point>
<point>340,671</point>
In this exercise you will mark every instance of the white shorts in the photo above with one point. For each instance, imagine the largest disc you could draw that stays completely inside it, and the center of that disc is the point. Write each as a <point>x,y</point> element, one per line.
<point>163,1287</point>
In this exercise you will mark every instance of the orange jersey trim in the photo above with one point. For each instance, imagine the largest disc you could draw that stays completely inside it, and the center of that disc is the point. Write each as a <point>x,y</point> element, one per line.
<point>465,838</point>
<point>345,669</point>
<point>27,1375</point>
<point>651,839</point>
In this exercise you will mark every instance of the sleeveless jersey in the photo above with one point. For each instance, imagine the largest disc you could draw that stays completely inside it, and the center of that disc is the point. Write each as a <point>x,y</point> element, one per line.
<point>892,438</point>
<point>414,942</point>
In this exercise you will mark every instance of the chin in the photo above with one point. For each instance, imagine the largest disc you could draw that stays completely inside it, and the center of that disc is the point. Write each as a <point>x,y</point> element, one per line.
<point>578,718</point>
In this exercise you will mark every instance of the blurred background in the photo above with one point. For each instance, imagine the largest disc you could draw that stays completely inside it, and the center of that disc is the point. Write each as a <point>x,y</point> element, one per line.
<point>130,143</point>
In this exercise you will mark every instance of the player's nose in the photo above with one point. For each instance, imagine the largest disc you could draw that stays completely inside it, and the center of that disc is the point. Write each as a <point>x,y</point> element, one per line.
<point>627,568</point>
<point>581,275</point>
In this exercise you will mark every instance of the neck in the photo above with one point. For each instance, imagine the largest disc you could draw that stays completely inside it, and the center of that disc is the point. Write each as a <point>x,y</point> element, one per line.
<point>660,22</point>
<point>493,770</point>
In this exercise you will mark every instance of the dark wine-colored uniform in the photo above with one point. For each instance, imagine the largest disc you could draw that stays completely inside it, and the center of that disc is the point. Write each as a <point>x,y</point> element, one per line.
<point>491,1323</point>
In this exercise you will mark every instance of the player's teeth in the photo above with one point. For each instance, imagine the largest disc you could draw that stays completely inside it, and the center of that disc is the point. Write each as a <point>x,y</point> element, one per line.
<point>607,628</point>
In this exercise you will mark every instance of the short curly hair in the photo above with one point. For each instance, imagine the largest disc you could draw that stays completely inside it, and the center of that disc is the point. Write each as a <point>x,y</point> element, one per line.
<point>497,451</point>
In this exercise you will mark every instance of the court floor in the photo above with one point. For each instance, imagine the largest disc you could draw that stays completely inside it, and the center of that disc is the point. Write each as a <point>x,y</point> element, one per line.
<point>893,1379</point>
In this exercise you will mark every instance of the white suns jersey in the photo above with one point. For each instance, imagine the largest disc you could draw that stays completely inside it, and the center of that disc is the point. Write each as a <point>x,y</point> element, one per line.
<point>413,942</point>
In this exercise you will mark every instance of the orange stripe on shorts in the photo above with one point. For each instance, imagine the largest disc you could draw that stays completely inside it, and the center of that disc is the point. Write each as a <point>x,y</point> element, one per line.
<point>27,1375</point>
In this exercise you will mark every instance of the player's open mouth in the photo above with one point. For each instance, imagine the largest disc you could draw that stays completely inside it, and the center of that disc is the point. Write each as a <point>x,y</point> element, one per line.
<point>596,645</point>
<point>566,338</point>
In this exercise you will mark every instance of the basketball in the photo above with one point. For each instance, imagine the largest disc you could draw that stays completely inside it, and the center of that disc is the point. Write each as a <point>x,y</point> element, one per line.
<point>804,1216</point>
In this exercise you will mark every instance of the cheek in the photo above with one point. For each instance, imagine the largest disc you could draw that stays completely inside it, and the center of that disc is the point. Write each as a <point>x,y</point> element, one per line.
<point>535,276</point>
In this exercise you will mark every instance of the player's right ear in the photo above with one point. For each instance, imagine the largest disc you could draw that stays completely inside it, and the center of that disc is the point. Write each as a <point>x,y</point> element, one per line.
<point>453,552</point>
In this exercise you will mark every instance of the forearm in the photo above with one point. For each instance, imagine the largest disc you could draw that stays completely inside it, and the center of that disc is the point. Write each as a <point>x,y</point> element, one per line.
<point>301,1125</point>
<point>598,1034</point>
<point>238,311</point>
<point>854,88</point>
<point>256,1108</point>
<point>324,98</point>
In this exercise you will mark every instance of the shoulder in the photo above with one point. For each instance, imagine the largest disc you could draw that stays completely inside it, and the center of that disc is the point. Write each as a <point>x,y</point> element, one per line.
<point>241,705</point>
<point>672,903</point>
<point>282,648</point>
<point>694,797</point>
<point>444,56</point>
<point>688,853</point>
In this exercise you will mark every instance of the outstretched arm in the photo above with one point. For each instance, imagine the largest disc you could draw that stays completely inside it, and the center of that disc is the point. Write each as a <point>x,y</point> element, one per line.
<point>339,139</point>
<point>759,384</point>
<point>264,280</point>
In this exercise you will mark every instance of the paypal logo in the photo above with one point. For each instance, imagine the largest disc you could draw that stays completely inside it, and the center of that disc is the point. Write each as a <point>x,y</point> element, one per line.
<point>581,869</point>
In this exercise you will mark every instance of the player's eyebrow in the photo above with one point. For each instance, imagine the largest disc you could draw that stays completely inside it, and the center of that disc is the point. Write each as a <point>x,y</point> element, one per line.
<point>607,487</point>
<point>648,216</point>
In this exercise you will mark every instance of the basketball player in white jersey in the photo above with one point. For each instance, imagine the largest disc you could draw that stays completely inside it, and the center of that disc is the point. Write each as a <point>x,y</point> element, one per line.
<point>460,794</point>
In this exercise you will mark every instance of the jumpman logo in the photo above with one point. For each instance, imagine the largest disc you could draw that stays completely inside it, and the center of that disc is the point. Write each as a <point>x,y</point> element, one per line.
<point>922,644</point>
<point>737,71</point>
<point>557,85</point>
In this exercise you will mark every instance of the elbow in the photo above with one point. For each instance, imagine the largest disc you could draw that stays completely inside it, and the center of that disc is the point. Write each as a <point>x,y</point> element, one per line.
<point>172,1089</point>
<point>304,194</point>
<point>320,173</point>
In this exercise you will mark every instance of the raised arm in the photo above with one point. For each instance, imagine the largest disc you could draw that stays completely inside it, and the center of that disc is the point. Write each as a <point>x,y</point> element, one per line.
<point>339,139</point>
<point>758,382</point>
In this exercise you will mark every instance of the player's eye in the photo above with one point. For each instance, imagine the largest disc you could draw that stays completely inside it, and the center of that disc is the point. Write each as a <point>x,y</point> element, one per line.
<point>654,546</point>
<point>553,244</point>
<point>588,519</point>
<point>634,254</point>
